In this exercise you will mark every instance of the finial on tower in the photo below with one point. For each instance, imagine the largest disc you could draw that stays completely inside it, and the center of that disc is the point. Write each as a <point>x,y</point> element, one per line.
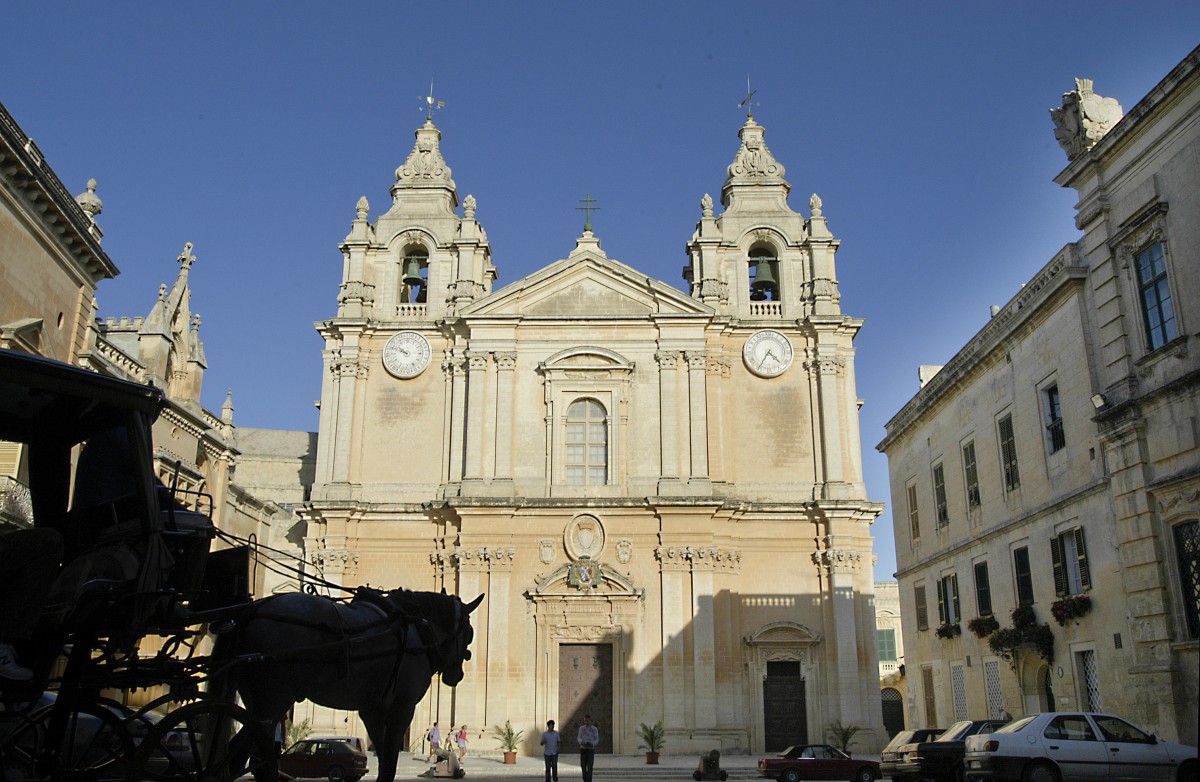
<point>186,259</point>
<point>362,208</point>
<point>89,202</point>
<point>429,103</point>
<point>587,210</point>
<point>747,101</point>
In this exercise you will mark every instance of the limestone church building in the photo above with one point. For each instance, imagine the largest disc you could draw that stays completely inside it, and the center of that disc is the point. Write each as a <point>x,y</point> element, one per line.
<point>659,492</point>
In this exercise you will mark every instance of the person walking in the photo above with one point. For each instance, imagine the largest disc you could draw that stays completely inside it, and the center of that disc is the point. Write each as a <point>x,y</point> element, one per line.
<point>461,739</point>
<point>435,740</point>
<point>588,739</point>
<point>550,741</point>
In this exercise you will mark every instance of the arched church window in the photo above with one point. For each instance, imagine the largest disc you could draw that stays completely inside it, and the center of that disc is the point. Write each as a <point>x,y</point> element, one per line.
<point>416,277</point>
<point>587,444</point>
<point>764,275</point>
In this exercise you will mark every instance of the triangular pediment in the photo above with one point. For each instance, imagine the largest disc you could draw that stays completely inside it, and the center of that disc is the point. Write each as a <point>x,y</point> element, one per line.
<point>586,286</point>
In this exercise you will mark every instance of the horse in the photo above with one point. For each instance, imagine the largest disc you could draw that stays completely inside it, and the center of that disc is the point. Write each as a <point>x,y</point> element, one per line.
<point>375,654</point>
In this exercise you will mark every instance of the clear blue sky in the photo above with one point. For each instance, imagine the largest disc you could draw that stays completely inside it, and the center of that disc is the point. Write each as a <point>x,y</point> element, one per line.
<point>251,129</point>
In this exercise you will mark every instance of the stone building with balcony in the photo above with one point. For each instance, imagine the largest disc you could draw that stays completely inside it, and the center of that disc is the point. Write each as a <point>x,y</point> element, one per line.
<point>1046,481</point>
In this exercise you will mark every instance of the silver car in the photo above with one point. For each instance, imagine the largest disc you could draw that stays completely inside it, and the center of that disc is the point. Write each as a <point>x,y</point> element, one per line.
<point>1064,746</point>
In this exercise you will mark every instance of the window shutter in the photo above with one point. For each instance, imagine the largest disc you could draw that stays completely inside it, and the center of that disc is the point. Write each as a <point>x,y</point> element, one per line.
<point>1085,576</point>
<point>954,596</point>
<point>983,589</point>
<point>1060,580</point>
<point>941,590</point>
<point>922,609</point>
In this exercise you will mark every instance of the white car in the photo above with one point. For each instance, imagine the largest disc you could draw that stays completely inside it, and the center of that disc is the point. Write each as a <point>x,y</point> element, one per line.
<point>1065,746</point>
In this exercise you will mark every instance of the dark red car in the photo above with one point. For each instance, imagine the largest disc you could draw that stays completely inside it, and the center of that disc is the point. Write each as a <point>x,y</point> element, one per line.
<point>329,759</point>
<point>817,761</point>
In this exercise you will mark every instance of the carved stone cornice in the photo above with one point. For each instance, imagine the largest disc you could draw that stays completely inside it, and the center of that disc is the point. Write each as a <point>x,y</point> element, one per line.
<point>356,290</point>
<point>825,365</point>
<point>479,558</point>
<point>1063,269</point>
<point>332,557</point>
<point>838,560</point>
<point>667,359</point>
<point>697,558</point>
<point>712,287</point>
<point>719,365</point>
<point>575,633</point>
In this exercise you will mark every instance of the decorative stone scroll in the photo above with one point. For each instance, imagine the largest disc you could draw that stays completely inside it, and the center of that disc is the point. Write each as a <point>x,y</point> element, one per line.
<point>425,163</point>
<point>754,161</point>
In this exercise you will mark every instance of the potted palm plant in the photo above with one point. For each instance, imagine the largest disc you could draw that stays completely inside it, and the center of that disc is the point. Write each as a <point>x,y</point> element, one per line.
<point>653,737</point>
<point>509,739</point>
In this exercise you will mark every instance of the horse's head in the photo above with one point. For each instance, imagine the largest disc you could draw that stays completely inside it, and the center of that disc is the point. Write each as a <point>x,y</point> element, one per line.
<point>455,648</point>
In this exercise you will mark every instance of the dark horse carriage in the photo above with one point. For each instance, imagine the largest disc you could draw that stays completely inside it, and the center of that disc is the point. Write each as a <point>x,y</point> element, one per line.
<point>142,596</point>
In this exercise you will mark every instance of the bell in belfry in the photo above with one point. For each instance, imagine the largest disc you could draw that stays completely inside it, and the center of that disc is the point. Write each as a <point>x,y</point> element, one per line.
<point>764,281</point>
<point>412,272</point>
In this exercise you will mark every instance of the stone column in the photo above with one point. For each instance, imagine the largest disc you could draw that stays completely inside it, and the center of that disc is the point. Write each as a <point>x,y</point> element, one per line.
<point>471,565</point>
<point>476,378</point>
<point>455,367</point>
<point>839,567</point>
<point>674,565</point>
<point>346,371</point>
<point>505,379</point>
<point>667,414</point>
<point>502,667</point>
<point>704,671</point>
<point>827,368</point>
<point>698,413</point>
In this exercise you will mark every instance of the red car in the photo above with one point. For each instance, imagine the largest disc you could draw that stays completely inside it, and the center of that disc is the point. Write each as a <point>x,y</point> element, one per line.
<point>817,761</point>
<point>332,759</point>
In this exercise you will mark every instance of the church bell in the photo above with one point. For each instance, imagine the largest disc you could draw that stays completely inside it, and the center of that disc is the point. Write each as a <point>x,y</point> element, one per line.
<point>764,281</point>
<point>412,273</point>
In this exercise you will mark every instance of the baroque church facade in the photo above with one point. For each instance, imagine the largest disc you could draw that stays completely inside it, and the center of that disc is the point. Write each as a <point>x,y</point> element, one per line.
<point>572,446</point>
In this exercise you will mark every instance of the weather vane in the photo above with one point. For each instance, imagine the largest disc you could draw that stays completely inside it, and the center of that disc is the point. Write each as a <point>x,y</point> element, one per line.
<point>587,210</point>
<point>428,102</point>
<point>746,101</point>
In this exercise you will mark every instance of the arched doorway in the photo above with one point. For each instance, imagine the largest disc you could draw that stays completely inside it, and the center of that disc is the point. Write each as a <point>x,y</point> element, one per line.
<point>893,710</point>
<point>1045,689</point>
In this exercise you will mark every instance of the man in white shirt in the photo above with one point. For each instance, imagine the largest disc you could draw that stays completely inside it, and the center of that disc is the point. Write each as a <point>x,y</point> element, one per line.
<point>550,741</point>
<point>588,738</point>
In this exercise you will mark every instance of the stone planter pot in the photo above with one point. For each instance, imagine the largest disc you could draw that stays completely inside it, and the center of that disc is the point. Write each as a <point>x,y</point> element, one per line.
<point>651,758</point>
<point>510,758</point>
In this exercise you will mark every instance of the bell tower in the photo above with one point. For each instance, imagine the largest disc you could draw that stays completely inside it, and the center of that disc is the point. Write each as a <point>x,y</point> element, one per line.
<point>759,259</point>
<point>419,259</point>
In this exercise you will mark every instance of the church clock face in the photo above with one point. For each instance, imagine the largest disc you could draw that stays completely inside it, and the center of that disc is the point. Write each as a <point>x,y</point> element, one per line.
<point>406,354</point>
<point>767,353</point>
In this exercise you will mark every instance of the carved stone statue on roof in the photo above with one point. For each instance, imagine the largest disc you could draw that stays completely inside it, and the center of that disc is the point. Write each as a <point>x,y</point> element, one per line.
<point>1084,118</point>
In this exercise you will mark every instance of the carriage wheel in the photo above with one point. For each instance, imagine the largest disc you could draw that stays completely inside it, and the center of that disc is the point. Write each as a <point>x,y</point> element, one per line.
<point>203,742</point>
<point>95,745</point>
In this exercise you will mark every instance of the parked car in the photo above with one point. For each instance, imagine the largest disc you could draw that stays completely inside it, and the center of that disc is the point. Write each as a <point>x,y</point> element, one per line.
<point>1052,746</point>
<point>942,758</point>
<point>817,761</point>
<point>357,742</point>
<point>332,759</point>
<point>891,753</point>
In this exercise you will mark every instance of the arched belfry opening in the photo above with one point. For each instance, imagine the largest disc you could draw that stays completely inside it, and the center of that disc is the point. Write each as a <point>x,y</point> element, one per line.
<point>415,282</point>
<point>764,274</point>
